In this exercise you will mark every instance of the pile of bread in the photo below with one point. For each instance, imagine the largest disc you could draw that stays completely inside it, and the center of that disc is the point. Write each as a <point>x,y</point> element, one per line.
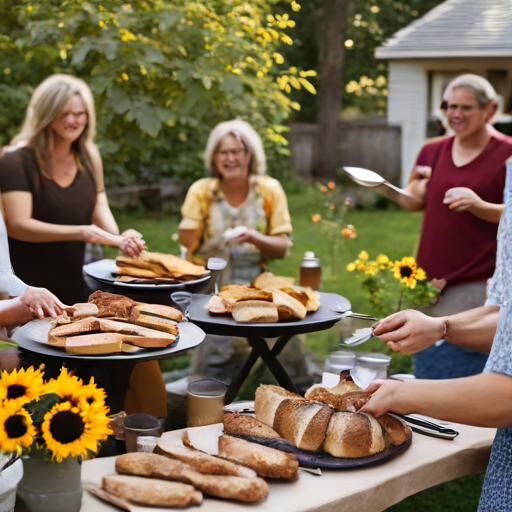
<point>110,323</point>
<point>157,267</point>
<point>177,475</point>
<point>269,299</point>
<point>326,420</point>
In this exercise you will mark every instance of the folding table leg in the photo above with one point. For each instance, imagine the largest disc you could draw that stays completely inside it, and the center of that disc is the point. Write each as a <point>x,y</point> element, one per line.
<point>240,377</point>
<point>269,358</point>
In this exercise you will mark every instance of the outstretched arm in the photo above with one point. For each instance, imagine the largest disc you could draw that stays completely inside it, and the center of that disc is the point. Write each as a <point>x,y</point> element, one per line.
<point>410,331</point>
<point>481,400</point>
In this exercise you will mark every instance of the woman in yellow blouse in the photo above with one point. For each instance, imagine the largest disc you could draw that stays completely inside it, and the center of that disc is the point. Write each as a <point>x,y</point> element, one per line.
<point>238,214</point>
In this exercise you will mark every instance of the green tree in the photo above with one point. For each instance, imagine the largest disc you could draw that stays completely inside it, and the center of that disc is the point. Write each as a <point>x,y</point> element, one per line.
<point>163,73</point>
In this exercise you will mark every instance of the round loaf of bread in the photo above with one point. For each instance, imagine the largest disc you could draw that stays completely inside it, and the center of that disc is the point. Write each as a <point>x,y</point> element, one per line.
<point>353,435</point>
<point>303,423</point>
<point>267,400</point>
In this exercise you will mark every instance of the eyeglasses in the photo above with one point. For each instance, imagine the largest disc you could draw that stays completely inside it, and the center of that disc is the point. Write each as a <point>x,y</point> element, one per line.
<point>235,152</point>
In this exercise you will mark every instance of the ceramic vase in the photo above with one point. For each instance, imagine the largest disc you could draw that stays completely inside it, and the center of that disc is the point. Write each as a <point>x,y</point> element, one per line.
<point>50,486</point>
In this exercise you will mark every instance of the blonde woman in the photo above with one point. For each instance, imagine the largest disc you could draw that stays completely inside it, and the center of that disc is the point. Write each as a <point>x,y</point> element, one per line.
<point>238,195</point>
<point>52,190</point>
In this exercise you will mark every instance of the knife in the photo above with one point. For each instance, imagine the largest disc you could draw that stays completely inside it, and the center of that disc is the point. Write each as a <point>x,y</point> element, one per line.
<point>427,427</point>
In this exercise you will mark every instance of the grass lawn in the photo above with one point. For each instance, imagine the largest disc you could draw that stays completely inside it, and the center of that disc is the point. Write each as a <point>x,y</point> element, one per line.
<point>392,232</point>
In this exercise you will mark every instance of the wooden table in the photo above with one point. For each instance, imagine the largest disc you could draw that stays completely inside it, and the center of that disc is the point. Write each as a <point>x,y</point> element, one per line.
<point>429,461</point>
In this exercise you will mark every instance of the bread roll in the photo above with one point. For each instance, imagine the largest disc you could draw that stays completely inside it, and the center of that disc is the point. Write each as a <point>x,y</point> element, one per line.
<point>243,425</point>
<point>267,400</point>
<point>157,466</point>
<point>267,462</point>
<point>350,401</point>
<point>255,311</point>
<point>287,306</point>
<point>395,429</point>
<point>353,435</point>
<point>303,423</point>
<point>146,491</point>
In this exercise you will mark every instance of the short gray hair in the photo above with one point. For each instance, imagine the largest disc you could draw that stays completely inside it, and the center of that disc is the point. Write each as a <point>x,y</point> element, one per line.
<point>481,88</point>
<point>246,134</point>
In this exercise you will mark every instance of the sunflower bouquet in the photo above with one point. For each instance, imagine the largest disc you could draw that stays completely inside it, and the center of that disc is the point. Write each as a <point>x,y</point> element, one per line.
<point>54,419</point>
<point>393,286</point>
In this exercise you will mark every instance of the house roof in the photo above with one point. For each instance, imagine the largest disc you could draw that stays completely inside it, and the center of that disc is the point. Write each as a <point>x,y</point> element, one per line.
<point>455,28</point>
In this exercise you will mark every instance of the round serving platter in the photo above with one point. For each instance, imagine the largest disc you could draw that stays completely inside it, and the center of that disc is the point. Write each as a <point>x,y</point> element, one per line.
<point>34,338</point>
<point>102,271</point>
<point>320,320</point>
<point>324,460</point>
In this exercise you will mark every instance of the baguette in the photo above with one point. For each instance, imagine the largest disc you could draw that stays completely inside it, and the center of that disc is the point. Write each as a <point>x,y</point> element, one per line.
<point>202,462</point>
<point>154,492</point>
<point>158,466</point>
<point>267,462</point>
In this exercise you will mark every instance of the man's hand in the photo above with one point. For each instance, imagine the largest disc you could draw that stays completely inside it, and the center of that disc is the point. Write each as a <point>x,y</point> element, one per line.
<point>42,302</point>
<point>409,331</point>
<point>461,199</point>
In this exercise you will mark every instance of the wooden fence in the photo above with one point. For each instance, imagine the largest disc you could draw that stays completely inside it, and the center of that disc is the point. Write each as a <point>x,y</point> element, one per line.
<point>372,144</point>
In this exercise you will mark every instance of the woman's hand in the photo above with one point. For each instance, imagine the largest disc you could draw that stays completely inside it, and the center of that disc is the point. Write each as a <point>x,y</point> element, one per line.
<point>421,172</point>
<point>461,199</point>
<point>409,331</point>
<point>384,398</point>
<point>42,302</point>
<point>131,246</point>
<point>133,233</point>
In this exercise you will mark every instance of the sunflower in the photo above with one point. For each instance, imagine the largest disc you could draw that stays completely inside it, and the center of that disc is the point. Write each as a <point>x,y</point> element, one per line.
<point>408,272</point>
<point>16,428</point>
<point>91,396</point>
<point>66,385</point>
<point>21,387</point>
<point>69,430</point>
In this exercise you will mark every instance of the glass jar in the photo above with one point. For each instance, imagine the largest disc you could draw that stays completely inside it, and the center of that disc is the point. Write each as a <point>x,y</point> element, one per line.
<point>310,271</point>
<point>339,361</point>
<point>370,367</point>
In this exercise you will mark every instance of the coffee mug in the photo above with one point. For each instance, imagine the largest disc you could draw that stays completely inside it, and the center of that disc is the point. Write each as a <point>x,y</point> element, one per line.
<point>205,402</point>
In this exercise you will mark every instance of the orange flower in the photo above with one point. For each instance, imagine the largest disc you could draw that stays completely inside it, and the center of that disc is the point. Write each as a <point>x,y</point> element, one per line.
<point>316,218</point>
<point>332,206</point>
<point>349,232</point>
<point>323,188</point>
<point>331,185</point>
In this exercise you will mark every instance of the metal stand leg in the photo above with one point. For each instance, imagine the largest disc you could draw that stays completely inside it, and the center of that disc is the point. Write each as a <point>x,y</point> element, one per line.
<point>260,349</point>
<point>269,358</point>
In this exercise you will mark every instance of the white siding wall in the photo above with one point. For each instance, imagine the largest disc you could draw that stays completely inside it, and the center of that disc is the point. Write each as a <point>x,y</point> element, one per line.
<point>407,108</point>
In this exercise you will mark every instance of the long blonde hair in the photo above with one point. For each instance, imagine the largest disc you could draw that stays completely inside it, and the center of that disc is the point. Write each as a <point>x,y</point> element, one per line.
<point>47,101</point>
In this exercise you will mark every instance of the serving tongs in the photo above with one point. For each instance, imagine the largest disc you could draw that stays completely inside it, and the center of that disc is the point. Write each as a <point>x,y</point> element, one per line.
<point>349,313</point>
<point>426,427</point>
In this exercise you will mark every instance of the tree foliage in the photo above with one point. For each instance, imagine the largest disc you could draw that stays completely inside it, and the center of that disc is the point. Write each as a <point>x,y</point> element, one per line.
<point>163,73</point>
<point>370,23</point>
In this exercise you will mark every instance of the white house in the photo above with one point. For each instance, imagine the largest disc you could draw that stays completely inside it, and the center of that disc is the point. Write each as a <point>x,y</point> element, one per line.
<point>458,36</point>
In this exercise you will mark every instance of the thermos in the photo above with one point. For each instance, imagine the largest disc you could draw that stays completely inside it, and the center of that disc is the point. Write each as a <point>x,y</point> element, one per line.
<point>310,271</point>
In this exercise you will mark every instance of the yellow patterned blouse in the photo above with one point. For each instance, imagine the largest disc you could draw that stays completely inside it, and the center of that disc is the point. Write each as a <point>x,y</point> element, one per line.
<point>205,209</point>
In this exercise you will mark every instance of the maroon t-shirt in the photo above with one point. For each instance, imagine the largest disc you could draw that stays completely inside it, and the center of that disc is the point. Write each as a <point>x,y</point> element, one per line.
<point>457,246</point>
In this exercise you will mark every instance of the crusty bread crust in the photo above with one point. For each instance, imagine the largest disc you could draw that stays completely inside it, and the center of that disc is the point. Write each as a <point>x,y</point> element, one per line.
<point>351,401</point>
<point>159,310</point>
<point>151,491</point>
<point>303,423</point>
<point>243,425</point>
<point>353,435</point>
<point>397,431</point>
<point>267,462</point>
<point>267,400</point>
<point>157,466</point>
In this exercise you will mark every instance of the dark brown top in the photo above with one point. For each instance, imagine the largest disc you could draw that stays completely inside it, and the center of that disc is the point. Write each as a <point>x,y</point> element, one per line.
<point>53,265</point>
